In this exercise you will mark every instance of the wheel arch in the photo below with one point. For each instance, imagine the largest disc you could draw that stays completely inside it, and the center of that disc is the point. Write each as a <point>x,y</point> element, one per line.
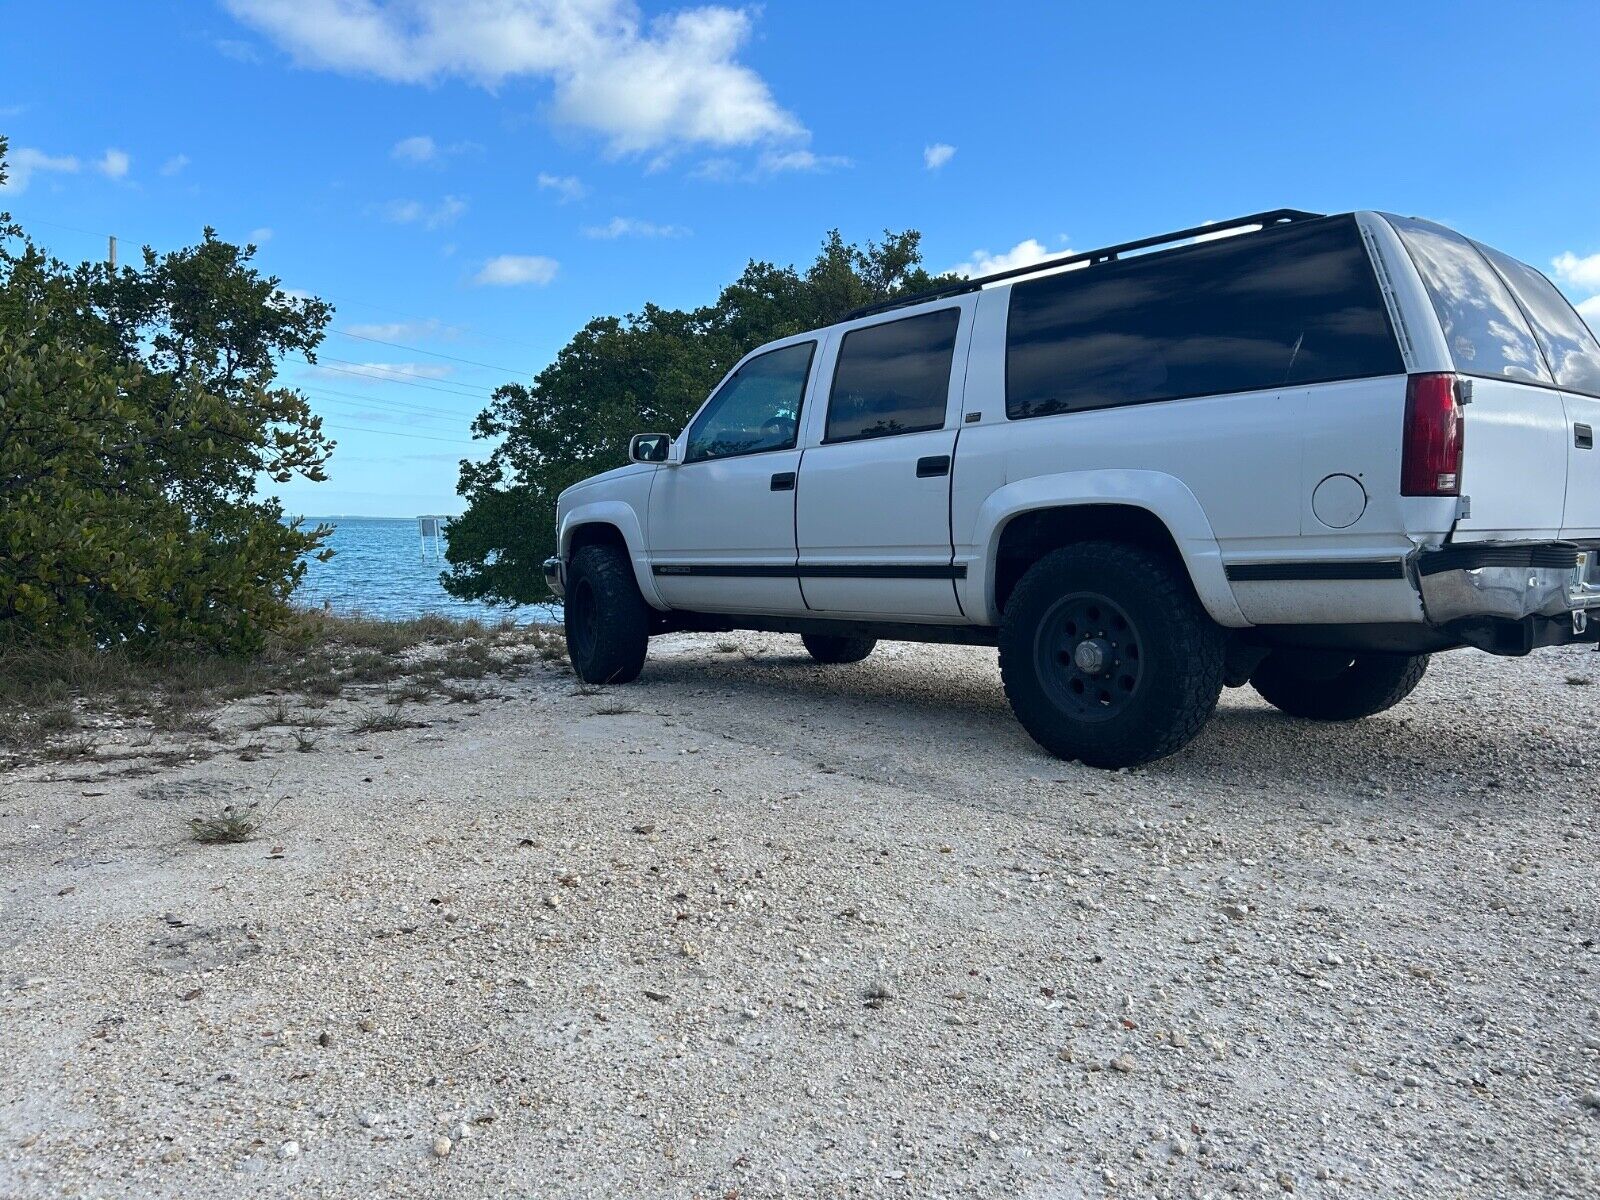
<point>1023,521</point>
<point>615,523</point>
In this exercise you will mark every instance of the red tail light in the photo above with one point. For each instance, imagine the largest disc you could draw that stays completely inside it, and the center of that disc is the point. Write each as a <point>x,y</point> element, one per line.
<point>1430,461</point>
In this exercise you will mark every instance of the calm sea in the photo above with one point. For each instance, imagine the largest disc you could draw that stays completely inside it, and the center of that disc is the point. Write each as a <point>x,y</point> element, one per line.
<point>381,567</point>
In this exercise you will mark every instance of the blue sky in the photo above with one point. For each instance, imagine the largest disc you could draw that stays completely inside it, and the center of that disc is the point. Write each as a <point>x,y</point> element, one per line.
<point>474,179</point>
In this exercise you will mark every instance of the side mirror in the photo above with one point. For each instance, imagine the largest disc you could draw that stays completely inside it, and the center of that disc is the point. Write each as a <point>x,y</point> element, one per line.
<point>649,447</point>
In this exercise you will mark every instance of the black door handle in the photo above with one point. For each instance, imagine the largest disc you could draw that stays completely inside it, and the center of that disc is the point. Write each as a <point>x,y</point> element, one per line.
<point>1583,437</point>
<point>933,465</point>
<point>783,481</point>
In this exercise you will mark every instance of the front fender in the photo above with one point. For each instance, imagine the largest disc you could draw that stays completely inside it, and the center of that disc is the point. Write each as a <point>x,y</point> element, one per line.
<point>626,519</point>
<point>1164,496</point>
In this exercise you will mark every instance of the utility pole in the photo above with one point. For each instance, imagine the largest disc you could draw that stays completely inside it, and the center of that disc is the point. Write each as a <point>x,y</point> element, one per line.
<point>111,251</point>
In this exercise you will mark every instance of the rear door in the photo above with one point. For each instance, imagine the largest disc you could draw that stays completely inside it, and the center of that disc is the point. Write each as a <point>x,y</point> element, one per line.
<point>1514,470</point>
<point>1573,358</point>
<point>872,517</point>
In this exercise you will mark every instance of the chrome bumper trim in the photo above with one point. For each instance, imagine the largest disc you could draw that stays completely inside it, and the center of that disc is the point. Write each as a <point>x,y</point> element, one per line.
<point>1512,592</point>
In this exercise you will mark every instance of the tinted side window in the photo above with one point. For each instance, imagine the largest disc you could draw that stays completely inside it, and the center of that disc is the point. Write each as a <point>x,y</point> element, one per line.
<point>1278,308</point>
<point>893,378</point>
<point>1483,327</point>
<point>757,409</point>
<point>1570,349</point>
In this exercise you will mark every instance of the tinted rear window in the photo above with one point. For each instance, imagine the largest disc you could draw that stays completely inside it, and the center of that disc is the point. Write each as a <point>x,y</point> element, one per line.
<point>1485,330</point>
<point>1278,308</point>
<point>1570,349</point>
<point>893,378</point>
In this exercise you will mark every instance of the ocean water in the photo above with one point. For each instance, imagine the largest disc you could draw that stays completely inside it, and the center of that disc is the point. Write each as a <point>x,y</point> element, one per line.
<point>381,568</point>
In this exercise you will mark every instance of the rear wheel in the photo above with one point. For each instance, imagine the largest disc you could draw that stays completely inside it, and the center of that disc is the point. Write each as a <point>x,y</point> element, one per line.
<point>835,648</point>
<point>1107,657</point>
<point>607,621</point>
<point>1332,685</point>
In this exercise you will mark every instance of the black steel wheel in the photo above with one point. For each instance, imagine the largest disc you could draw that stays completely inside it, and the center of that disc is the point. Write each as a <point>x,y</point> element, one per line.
<point>1107,656</point>
<point>1087,653</point>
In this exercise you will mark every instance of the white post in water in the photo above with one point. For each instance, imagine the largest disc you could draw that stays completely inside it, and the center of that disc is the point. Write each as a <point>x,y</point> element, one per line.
<point>430,527</point>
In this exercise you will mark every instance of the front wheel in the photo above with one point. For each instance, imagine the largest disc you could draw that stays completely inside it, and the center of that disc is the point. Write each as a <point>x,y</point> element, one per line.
<point>1333,685</point>
<point>1107,657</point>
<point>607,620</point>
<point>836,648</point>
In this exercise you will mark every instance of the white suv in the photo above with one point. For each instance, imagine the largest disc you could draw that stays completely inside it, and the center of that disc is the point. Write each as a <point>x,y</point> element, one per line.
<point>1297,451</point>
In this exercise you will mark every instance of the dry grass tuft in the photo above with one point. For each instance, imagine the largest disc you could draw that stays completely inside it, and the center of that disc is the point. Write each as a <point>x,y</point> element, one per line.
<point>231,824</point>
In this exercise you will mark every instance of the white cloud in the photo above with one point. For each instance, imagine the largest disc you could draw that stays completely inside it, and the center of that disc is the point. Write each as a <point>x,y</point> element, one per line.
<point>175,164</point>
<point>640,84</point>
<point>1024,253</point>
<point>114,164</point>
<point>24,162</point>
<point>1582,273</point>
<point>415,150</point>
<point>619,227</point>
<point>261,236</point>
<point>379,372</point>
<point>566,187</point>
<point>936,155</point>
<point>399,331</point>
<point>775,161</point>
<point>429,216</point>
<point>508,270</point>
<point>1590,309</point>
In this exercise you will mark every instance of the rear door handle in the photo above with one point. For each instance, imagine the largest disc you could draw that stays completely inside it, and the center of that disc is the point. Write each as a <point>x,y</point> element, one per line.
<point>933,465</point>
<point>1583,437</point>
<point>783,481</point>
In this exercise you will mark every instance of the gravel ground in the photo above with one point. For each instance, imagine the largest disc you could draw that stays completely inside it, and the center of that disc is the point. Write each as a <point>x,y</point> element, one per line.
<point>754,928</point>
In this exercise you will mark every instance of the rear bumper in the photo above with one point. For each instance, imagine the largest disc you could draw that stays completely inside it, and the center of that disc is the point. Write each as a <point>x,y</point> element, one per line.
<point>555,576</point>
<point>1513,598</point>
<point>1509,582</point>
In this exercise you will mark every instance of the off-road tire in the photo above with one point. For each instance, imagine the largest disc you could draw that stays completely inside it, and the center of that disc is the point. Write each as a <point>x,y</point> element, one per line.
<point>607,620</point>
<point>1333,686</point>
<point>1173,649</point>
<point>837,648</point>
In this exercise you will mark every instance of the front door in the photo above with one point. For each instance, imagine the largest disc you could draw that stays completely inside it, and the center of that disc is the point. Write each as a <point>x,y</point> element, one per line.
<point>721,520</point>
<point>873,514</point>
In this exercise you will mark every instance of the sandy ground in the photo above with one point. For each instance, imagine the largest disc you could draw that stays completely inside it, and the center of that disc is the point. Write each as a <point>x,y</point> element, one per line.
<point>788,930</point>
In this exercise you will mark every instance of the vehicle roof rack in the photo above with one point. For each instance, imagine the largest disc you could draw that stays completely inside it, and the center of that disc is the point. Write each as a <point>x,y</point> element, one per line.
<point>1278,216</point>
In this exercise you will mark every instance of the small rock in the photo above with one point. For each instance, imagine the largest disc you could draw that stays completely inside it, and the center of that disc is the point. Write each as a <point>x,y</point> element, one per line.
<point>324,1039</point>
<point>1591,1100</point>
<point>366,1024</point>
<point>461,1132</point>
<point>369,1120</point>
<point>658,997</point>
<point>644,828</point>
<point>289,1150</point>
<point>1235,912</point>
<point>552,901</point>
<point>441,1147</point>
<point>1124,1063</point>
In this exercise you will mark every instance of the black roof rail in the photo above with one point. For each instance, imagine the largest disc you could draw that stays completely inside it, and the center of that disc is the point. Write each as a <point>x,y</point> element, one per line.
<point>1278,216</point>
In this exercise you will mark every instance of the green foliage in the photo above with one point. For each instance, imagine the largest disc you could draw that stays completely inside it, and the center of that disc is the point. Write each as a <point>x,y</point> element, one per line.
<point>137,414</point>
<point>648,372</point>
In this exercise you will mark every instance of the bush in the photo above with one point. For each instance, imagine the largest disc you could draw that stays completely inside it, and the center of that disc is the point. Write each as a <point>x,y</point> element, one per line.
<point>137,412</point>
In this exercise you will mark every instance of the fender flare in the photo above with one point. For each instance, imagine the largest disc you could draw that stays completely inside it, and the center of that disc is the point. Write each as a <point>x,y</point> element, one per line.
<point>1166,497</point>
<point>625,520</point>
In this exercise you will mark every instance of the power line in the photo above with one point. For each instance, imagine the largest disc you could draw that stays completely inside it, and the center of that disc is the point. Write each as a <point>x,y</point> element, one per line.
<point>399,405</point>
<point>388,370</point>
<point>421,437</point>
<point>361,337</point>
<point>390,414</point>
<point>399,382</point>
